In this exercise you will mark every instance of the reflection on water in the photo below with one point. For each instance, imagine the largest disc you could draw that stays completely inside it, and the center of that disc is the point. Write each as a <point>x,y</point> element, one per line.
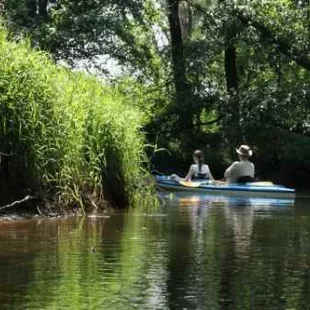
<point>194,252</point>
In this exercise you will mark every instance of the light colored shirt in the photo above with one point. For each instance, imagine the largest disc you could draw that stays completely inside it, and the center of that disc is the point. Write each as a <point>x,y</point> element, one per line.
<point>239,169</point>
<point>194,171</point>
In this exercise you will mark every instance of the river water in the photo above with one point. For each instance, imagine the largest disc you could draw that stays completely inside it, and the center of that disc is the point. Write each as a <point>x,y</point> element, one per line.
<point>189,253</point>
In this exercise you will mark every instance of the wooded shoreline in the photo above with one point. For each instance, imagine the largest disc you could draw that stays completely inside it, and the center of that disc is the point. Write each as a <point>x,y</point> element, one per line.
<point>88,109</point>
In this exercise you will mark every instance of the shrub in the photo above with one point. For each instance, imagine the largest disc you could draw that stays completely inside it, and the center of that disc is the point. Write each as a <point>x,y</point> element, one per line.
<point>65,131</point>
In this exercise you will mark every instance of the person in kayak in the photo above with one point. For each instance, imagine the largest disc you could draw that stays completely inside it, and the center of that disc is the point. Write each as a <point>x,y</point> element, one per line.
<point>241,171</point>
<point>198,171</point>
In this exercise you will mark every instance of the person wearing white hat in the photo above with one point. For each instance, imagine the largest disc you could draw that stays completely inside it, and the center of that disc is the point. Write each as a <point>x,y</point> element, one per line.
<point>241,171</point>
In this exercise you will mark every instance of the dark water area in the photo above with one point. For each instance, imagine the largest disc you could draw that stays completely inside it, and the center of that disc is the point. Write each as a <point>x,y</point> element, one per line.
<point>192,252</point>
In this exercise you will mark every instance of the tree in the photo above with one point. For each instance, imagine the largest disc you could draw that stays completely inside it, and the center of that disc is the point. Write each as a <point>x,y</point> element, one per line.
<point>213,73</point>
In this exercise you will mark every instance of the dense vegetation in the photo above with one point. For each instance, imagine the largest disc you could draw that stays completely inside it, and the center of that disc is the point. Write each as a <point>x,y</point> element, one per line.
<point>64,133</point>
<point>207,74</point>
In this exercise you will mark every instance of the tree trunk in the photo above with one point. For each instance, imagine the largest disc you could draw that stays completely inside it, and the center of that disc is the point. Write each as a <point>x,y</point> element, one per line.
<point>186,20</point>
<point>235,108</point>
<point>43,8</point>
<point>31,7</point>
<point>183,90</point>
<point>231,69</point>
<point>176,47</point>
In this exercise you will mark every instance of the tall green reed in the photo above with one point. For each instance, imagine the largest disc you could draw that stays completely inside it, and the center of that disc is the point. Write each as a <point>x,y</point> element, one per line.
<point>65,132</point>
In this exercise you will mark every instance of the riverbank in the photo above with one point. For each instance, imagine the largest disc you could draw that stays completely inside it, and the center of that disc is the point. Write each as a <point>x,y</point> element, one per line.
<point>48,204</point>
<point>66,139</point>
<point>32,207</point>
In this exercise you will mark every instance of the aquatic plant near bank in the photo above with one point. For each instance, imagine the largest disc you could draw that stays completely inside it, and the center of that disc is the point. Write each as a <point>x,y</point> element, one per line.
<point>63,133</point>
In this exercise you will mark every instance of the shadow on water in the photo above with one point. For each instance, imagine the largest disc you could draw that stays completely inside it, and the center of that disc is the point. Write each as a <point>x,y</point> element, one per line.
<point>193,252</point>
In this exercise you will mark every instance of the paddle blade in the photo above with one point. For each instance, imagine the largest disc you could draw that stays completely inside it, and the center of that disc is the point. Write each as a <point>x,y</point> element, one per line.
<point>190,184</point>
<point>261,183</point>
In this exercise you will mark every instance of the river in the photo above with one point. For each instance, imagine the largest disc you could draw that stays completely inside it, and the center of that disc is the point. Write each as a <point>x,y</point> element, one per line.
<point>191,252</point>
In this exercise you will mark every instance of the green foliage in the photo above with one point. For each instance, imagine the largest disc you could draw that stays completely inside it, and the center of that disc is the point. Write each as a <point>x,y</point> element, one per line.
<point>65,130</point>
<point>269,68</point>
<point>152,98</point>
<point>124,30</point>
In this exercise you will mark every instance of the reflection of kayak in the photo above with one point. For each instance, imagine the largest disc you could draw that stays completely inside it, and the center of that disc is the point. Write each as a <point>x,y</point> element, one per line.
<point>200,198</point>
<point>256,189</point>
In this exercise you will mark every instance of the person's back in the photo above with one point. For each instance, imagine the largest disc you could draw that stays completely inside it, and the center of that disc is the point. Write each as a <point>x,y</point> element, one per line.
<point>241,171</point>
<point>197,171</point>
<point>200,172</point>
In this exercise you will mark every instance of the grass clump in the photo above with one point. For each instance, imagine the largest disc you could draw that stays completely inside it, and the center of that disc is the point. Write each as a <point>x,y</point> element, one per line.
<point>63,132</point>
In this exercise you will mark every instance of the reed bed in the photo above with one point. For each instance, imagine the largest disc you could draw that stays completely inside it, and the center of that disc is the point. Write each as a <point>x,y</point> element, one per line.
<point>64,133</point>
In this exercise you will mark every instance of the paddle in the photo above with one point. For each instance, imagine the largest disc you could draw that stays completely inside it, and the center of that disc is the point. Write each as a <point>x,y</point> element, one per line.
<point>262,183</point>
<point>190,184</point>
<point>197,184</point>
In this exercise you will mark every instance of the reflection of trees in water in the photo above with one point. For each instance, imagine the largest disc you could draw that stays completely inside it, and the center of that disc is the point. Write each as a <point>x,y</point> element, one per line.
<point>238,256</point>
<point>144,259</point>
<point>270,267</point>
<point>282,262</point>
<point>200,256</point>
<point>239,227</point>
<point>179,262</point>
<point>216,243</point>
<point>239,218</point>
<point>14,254</point>
<point>42,254</point>
<point>19,250</point>
<point>115,263</point>
<point>194,265</point>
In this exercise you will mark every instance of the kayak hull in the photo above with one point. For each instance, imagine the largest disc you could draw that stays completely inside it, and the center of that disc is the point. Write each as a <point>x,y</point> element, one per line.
<point>240,190</point>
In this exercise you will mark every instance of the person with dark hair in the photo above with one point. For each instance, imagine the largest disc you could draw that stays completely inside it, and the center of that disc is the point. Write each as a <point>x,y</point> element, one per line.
<point>198,171</point>
<point>241,171</point>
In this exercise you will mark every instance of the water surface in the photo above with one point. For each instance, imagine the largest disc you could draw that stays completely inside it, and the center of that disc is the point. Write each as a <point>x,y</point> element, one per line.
<point>192,252</point>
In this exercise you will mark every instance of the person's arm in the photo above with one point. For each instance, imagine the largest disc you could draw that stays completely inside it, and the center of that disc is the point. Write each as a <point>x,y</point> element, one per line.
<point>229,171</point>
<point>175,177</point>
<point>210,174</point>
<point>190,173</point>
<point>253,170</point>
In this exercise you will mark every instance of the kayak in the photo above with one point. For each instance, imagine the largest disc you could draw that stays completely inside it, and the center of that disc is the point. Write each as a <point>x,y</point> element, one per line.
<point>253,189</point>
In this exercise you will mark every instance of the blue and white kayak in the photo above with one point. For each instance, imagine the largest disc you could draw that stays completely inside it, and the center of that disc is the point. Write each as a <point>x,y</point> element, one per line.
<point>253,189</point>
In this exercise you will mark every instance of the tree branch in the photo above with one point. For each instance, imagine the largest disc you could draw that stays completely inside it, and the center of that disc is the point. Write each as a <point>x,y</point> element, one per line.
<point>284,46</point>
<point>182,128</point>
<point>17,202</point>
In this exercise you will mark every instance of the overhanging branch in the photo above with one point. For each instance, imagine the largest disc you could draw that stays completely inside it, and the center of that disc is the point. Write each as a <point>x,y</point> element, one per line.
<point>284,46</point>
<point>183,128</point>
